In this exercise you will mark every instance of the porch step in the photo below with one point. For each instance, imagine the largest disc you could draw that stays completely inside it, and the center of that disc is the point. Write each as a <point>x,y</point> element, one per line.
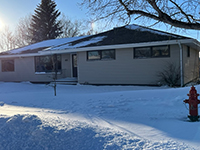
<point>67,81</point>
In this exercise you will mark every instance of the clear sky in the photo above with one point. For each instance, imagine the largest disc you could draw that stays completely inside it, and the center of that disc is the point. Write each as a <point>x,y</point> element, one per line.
<point>12,10</point>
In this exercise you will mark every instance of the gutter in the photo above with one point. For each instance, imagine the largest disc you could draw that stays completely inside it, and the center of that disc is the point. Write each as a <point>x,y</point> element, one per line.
<point>21,55</point>
<point>119,46</point>
<point>181,63</point>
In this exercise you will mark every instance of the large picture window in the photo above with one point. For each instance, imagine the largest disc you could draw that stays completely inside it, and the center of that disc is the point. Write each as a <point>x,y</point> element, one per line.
<point>46,63</point>
<point>7,65</point>
<point>101,55</point>
<point>152,52</point>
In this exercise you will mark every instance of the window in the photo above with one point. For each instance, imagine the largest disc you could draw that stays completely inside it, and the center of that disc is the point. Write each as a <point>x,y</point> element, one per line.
<point>160,51</point>
<point>94,55</point>
<point>46,63</point>
<point>108,54</point>
<point>101,55</point>
<point>188,51</point>
<point>144,52</point>
<point>7,65</point>
<point>151,52</point>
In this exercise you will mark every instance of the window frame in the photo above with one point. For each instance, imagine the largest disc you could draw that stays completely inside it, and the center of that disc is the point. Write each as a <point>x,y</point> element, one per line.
<point>151,49</point>
<point>46,71</point>
<point>100,55</point>
<point>6,61</point>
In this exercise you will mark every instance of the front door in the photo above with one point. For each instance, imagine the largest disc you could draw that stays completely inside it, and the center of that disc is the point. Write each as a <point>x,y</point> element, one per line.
<point>74,65</point>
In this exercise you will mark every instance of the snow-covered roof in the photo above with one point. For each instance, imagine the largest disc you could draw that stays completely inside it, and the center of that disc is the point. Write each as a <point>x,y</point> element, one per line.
<point>127,35</point>
<point>81,44</point>
<point>123,35</point>
<point>44,44</point>
<point>143,29</point>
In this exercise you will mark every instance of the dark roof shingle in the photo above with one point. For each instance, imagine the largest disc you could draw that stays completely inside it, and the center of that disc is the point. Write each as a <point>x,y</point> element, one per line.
<point>125,35</point>
<point>130,34</point>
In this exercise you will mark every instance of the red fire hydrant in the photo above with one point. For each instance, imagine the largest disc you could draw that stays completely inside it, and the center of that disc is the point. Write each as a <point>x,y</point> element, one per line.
<point>193,104</point>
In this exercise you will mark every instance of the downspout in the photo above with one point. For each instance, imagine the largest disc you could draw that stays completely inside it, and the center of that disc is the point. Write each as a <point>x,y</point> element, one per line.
<point>181,62</point>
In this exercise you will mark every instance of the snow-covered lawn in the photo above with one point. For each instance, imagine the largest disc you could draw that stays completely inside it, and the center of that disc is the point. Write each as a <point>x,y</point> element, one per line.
<point>83,117</point>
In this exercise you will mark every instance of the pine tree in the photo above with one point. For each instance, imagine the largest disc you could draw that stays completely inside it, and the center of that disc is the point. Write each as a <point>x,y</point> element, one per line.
<point>44,24</point>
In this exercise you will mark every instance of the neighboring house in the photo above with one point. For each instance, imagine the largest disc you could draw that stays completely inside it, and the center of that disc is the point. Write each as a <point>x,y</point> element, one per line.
<point>129,55</point>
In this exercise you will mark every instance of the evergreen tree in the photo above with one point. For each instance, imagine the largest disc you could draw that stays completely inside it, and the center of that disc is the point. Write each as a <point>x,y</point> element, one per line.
<point>44,24</point>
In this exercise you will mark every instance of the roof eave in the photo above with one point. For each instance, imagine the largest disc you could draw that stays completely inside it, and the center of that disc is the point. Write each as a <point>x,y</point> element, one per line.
<point>20,55</point>
<point>194,42</point>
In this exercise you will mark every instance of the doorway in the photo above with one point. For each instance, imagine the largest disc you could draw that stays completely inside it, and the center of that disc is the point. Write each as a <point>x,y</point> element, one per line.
<point>74,65</point>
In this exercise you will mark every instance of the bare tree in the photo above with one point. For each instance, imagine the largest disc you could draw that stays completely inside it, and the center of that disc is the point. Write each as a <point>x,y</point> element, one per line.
<point>22,31</point>
<point>7,40</point>
<point>70,28</point>
<point>55,71</point>
<point>178,13</point>
<point>21,36</point>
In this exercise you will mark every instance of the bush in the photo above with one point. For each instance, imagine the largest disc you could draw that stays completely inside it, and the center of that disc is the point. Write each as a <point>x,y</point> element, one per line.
<point>170,75</point>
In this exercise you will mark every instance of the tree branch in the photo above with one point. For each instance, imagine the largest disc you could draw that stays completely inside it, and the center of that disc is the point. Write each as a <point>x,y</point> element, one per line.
<point>131,12</point>
<point>165,18</point>
<point>125,7</point>
<point>192,17</point>
<point>181,10</point>
<point>167,11</point>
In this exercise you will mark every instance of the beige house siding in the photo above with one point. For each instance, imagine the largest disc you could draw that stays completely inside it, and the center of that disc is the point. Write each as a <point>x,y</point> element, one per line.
<point>124,69</point>
<point>25,70</point>
<point>190,64</point>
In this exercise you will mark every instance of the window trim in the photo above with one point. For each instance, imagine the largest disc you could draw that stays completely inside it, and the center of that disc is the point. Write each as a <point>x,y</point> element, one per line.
<point>2,70</point>
<point>151,52</point>
<point>100,53</point>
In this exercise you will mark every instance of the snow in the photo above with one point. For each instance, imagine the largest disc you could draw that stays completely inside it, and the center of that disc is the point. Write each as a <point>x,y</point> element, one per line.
<point>85,117</point>
<point>57,44</point>
<point>81,44</point>
<point>45,44</point>
<point>140,28</point>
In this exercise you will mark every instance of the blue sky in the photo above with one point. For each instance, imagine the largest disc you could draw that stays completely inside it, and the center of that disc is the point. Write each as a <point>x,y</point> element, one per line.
<point>12,10</point>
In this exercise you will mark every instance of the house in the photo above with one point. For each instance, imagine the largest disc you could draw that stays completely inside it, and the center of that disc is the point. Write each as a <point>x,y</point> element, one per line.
<point>128,55</point>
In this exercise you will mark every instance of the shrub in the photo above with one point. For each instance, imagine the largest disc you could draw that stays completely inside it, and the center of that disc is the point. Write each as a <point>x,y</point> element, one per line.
<point>170,75</point>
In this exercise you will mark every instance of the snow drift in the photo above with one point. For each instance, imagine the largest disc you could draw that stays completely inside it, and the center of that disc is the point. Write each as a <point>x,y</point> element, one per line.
<point>27,132</point>
<point>95,117</point>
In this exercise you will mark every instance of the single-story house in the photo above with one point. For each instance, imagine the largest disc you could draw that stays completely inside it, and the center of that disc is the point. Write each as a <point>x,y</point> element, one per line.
<point>128,55</point>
